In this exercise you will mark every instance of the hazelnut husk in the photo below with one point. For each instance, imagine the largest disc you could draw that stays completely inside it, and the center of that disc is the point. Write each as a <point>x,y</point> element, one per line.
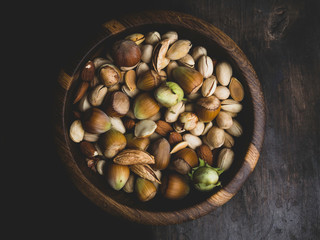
<point>95,121</point>
<point>117,104</point>
<point>207,108</point>
<point>126,53</point>
<point>174,186</point>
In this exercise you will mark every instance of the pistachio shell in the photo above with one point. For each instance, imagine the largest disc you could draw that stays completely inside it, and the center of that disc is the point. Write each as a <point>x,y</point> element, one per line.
<point>179,49</point>
<point>224,120</point>
<point>146,53</point>
<point>172,113</point>
<point>193,141</point>
<point>223,73</point>
<point>197,52</point>
<point>198,130</point>
<point>130,80</point>
<point>231,106</point>
<point>172,65</point>
<point>141,68</point>
<point>76,131</point>
<point>229,141</point>
<point>171,35</point>
<point>236,89</point>
<point>235,129</point>
<point>159,59</point>
<point>97,95</point>
<point>225,158</point>
<point>222,92</point>
<point>209,86</point>
<point>216,137</point>
<point>136,37</point>
<point>205,66</point>
<point>187,61</point>
<point>153,37</point>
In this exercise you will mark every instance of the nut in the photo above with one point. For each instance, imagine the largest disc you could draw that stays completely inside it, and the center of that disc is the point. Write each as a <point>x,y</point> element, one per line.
<point>172,65</point>
<point>109,74</point>
<point>174,138</point>
<point>95,121</point>
<point>146,53</point>
<point>207,108</point>
<point>229,141</point>
<point>141,68</point>
<point>81,91</point>
<point>128,123</point>
<point>129,93</point>
<point>144,128</point>
<point>144,189</point>
<point>130,80</point>
<point>236,89</point>
<point>207,127</point>
<point>111,143</point>
<point>188,120</point>
<point>193,141</point>
<point>198,130</point>
<point>163,128</point>
<point>133,156</point>
<point>97,95</point>
<point>222,92</point>
<point>87,73</point>
<point>169,94</point>
<point>160,149</point>
<point>223,73</point>
<point>179,146</point>
<point>129,186</point>
<point>136,37</point>
<point>88,149</point>
<point>174,186</point>
<point>145,171</point>
<point>189,79</point>
<point>187,61</point>
<point>144,106</point>
<point>184,160</point>
<point>153,37</point>
<point>117,104</point>
<point>179,49</point>
<point>204,152</point>
<point>76,131</point>
<point>126,53</point>
<point>225,158</point>
<point>117,175</point>
<point>205,66</point>
<point>209,86</point>
<point>216,137</point>
<point>197,52</point>
<point>159,60</point>
<point>235,129</point>
<point>172,113</point>
<point>137,143</point>
<point>224,120</point>
<point>230,105</point>
<point>171,35</point>
<point>117,124</point>
<point>148,80</point>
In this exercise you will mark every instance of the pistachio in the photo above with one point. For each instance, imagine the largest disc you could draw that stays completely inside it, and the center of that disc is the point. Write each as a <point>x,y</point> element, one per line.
<point>145,171</point>
<point>136,37</point>
<point>207,127</point>
<point>159,59</point>
<point>97,95</point>
<point>145,128</point>
<point>224,120</point>
<point>133,156</point>
<point>172,113</point>
<point>141,68</point>
<point>153,37</point>
<point>188,120</point>
<point>236,89</point>
<point>76,131</point>
<point>193,141</point>
<point>197,52</point>
<point>225,158</point>
<point>235,129</point>
<point>229,141</point>
<point>205,141</point>
<point>205,66</point>
<point>198,130</point>
<point>146,53</point>
<point>171,35</point>
<point>187,61</point>
<point>216,137</point>
<point>223,73</point>
<point>230,105</point>
<point>222,92</point>
<point>179,49</point>
<point>209,86</point>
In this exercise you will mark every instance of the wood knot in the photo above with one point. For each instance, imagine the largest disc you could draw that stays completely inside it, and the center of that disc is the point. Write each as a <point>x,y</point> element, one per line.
<point>278,21</point>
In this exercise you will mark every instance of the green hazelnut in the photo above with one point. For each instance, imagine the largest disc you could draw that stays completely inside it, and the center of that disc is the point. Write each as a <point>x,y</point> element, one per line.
<point>169,94</point>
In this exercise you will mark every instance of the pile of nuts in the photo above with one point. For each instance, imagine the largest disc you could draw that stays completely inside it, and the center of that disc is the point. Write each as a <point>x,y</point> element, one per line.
<point>156,113</point>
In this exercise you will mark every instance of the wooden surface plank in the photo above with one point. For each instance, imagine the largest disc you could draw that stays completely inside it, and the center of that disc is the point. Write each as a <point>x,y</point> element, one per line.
<point>281,198</point>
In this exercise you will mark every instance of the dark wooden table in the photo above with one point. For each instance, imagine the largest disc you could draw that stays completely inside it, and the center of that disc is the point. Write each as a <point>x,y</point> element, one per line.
<point>281,199</point>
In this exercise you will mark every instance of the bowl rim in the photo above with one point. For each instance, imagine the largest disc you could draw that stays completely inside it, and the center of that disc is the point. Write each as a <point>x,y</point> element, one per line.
<point>67,75</point>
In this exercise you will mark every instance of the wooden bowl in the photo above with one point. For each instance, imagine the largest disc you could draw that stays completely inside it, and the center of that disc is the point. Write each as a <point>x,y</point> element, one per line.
<point>247,149</point>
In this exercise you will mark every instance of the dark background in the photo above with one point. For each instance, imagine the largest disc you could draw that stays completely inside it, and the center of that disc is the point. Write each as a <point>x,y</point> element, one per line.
<point>280,200</point>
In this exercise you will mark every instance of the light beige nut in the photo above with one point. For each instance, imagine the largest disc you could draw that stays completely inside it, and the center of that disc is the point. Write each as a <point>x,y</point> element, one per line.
<point>117,124</point>
<point>229,141</point>
<point>146,53</point>
<point>133,156</point>
<point>144,128</point>
<point>223,73</point>
<point>159,59</point>
<point>97,95</point>
<point>205,66</point>
<point>84,104</point>
<point>235,129</point>
<point>209,86</point>
<point>187,61</point>
<point>224,120</point>
<point>225,158</point>
<point>179,146</point>
<point>76,131</point>
<point>172,113</point>
<point>142,68</point>
<point>231,105</point>
<point>152,38</point>
<point>198,130</point>
<point>222,92</point>
<point>179,49</point>
<point>207,127</point>
<point>193,141</point>
<point>130,79</point>
<point>236,89</point>
<point>101,167</point>
<point>197,52</point>
<point>127,91</point>
<point>216,137</point>
<point>171,35</point>
<point>129,186</point>
<point>90,137</point>
<point>172,65</point>
<point>138,38</point>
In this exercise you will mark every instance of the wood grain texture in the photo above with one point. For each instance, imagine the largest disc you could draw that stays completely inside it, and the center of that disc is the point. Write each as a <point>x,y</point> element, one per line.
<point>280,200</point>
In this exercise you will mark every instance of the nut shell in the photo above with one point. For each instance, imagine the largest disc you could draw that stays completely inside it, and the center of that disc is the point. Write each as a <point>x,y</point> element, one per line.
<point>189,79</point>
<point>126,53</point>
<point>207,108</point>
<point>117,175</point>
<point>145,106</point>
<point>95,121</point>
<point>174,186</point>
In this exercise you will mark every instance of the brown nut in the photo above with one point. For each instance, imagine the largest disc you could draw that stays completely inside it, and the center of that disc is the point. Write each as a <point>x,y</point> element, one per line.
<point>174,138</point>
<point>126,53</point>
<point>163,128</point>
<point>174,186</point>
<point>207,108</point>
<point>160,149</point>
<point>204,152</point>
<point>117,104</point>
<point>133,156</point>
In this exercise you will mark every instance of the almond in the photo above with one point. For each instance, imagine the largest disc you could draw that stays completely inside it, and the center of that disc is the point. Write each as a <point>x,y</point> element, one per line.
<point>129,123</point>
<point>204,152</point>
<point>87,73</point>
<point>133,156</point>
<point>163,128</point>
<point>145,171</point>
<point>174,138</point>
<point>82,89</point>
